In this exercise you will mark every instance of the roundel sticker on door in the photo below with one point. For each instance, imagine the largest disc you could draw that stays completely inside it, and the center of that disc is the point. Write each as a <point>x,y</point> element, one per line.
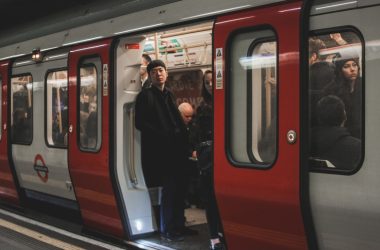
<point>40,168</point>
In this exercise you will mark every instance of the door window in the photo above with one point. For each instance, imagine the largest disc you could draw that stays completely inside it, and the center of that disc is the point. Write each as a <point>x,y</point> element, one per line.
<point>56,108</point>
<point>22,109</point>
<point>90,106</point>
<point>252,97</point>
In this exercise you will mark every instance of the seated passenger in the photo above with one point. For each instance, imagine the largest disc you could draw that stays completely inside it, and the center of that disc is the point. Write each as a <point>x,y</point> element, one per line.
<point>331,140</point>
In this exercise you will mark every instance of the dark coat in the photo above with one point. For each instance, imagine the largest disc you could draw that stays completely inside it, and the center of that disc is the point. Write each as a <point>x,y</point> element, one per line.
<point>147,83</point>
<point>353,104</point>
<point>164,140</point>
<point>336,145</point>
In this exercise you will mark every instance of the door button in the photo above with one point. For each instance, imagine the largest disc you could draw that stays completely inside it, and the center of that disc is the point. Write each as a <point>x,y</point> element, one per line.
<point>291,136</point>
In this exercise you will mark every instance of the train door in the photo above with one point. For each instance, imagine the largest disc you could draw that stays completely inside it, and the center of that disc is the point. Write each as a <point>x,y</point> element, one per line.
<point>89,136</point>
<point>8,189</point>
<point>134,193</point>
<point>344,183</point>
<point>38,124</point>
<point>256,122</point>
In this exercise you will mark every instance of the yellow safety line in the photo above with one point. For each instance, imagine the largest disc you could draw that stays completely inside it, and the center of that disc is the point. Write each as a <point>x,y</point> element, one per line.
<point>38,236</point>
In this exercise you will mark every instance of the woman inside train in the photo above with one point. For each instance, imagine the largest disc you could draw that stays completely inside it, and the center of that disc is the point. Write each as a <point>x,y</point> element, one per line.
<point>204,135</point>
<point>349,88</point>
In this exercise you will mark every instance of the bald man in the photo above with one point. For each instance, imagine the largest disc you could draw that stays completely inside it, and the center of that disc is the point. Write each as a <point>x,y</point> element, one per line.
<point>186,111</point>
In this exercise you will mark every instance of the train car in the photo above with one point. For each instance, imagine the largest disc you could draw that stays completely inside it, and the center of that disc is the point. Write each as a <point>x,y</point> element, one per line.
<point>285,176</point>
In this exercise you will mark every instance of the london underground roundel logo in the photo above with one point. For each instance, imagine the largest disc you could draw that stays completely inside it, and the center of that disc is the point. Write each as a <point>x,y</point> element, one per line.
<point>40,168</point>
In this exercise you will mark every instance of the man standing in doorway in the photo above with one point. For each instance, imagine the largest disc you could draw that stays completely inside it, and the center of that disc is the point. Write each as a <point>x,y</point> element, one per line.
<point>163,147</point>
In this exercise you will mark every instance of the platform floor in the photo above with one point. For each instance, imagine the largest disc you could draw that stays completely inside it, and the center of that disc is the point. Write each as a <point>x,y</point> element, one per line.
<point>28,230</point>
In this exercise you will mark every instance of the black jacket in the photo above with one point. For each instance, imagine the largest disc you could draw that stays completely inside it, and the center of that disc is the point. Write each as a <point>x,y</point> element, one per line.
<point>336,145</point>
<point>164,140</point>
<point>147,83</point>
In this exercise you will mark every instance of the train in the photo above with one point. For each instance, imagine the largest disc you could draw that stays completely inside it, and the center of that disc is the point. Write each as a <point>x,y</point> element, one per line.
<point>67,118</point>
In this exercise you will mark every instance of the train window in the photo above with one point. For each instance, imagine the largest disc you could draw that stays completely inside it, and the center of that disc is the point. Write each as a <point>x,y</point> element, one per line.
<point>56,108</point>
<point>22,109</point>
<point>90,106</point>
<point>336,100</point>
<point>253,99</point>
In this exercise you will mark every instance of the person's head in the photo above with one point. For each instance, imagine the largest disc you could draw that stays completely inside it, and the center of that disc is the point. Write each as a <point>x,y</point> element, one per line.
<point>145,60</point>
<point>157,72</point>
<point>348,69</point>
<point>186,111</point>
<point>331,111</point>
<point>315,45</point>
<point>207,85</point>
<point>322,74</point>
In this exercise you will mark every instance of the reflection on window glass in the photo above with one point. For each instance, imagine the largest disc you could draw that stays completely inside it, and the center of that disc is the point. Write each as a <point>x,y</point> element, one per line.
<point>22,109</point>
<point>89,102</point>
<point>56,123</point>
<point>253,99</point>
<point>336,90</point>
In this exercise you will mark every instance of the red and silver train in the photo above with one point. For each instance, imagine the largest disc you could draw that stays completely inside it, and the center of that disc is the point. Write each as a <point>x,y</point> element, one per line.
<point>67,118</point>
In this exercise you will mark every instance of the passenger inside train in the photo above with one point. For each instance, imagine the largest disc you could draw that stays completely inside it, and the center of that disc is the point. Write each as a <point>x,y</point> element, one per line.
<point>88,108</point>
<point>187,54</point>
<point>22,113</point>
<point>335,69</point>
<point>331,139</point>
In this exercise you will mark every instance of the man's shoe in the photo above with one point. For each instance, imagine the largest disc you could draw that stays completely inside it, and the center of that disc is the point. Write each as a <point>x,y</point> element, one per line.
<point>172,237</point>
<point>188,231</point>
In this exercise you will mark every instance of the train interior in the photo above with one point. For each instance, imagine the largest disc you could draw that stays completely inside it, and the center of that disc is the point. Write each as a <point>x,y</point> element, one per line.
<point>187,52</point>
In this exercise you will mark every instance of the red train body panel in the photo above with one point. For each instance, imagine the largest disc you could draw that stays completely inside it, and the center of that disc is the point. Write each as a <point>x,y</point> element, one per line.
<point>8,190</point>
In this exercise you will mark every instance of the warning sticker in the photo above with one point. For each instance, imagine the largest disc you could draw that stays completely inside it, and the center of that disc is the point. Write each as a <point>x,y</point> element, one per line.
<point>105,79</point>
<point>219,53</point>
<point>219,68</point>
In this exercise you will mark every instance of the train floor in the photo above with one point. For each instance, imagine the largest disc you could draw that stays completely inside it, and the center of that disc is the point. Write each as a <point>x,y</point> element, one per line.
<point>195,219</point>
<point>30,230</point>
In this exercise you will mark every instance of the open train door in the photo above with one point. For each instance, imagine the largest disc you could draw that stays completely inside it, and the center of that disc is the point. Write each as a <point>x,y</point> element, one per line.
<point>256,124</point>
<point>89,137</point>
<point>8,191</point>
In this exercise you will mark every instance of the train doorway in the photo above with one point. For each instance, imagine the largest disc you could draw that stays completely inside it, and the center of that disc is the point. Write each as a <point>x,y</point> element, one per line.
<point>186,52</point>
